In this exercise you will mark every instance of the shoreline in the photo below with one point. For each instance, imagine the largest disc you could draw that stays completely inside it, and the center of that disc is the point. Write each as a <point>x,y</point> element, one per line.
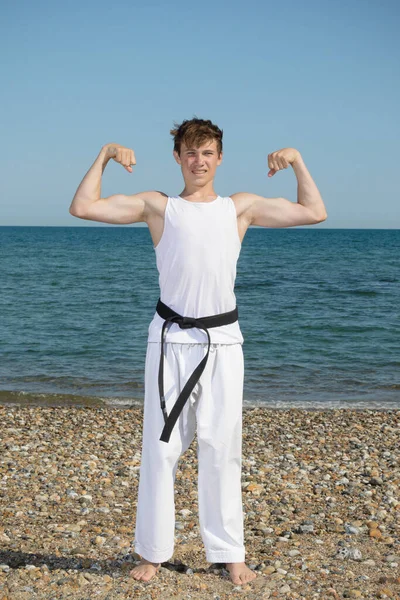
<point>60,400</point>
<point>320,493</point>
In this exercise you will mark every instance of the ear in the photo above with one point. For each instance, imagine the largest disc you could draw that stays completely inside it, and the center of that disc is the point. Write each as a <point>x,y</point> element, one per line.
<point>220,159</point>
<point>176,156</point>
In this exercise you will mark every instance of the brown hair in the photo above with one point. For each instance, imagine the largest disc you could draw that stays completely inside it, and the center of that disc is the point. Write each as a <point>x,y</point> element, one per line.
<point>196,132</point>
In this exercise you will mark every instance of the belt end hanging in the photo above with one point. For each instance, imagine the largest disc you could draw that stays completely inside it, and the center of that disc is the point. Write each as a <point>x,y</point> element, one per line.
<point>164,408</point>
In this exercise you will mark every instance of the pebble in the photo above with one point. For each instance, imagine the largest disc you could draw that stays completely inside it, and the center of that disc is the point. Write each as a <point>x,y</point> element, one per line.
<point>4,568</point>
<point>86,498</point>
<point>72,494</point>
<point>350,529</point>
<point>100,541</point>
<point>320,492</point>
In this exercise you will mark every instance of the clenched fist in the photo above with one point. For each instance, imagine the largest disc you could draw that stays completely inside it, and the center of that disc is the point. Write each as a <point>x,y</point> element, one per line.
<point>281,159</point>
<point>122,155</point>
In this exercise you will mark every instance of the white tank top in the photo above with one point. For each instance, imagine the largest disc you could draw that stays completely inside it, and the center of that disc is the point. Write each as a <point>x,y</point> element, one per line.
<point>196,260</point>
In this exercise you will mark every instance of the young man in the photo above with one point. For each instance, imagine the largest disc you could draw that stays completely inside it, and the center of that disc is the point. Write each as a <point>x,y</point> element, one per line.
<point>194,361</point>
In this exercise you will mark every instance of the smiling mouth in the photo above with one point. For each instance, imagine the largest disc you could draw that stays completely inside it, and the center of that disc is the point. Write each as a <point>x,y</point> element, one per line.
<point>199,172</point>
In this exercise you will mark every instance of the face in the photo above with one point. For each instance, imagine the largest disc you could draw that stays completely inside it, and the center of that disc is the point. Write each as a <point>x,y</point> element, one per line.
<point>199,164</point>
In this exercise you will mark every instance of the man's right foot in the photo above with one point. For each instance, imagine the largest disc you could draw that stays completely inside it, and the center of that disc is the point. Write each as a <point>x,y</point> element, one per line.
<point>145,570</point>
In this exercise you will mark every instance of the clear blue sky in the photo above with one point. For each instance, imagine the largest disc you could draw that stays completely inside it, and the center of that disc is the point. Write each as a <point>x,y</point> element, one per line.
<point>320,76</point>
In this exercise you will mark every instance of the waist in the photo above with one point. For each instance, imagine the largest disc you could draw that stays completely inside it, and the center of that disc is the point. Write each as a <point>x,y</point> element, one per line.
<point>184,322</point>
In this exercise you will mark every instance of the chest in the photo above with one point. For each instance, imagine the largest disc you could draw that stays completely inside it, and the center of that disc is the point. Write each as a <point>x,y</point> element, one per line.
<point>195,227</point>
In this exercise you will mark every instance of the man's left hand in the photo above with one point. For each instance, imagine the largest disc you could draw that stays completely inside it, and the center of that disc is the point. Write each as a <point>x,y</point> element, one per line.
<point>281,159</point>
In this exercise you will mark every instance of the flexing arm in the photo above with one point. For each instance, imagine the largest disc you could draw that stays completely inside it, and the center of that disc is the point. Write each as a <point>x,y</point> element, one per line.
<point>120,209</point>
<point>307,192</point>
<point>279,212</point>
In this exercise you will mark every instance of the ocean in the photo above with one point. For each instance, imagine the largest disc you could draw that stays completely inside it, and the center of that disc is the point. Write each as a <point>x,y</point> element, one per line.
<point>318,309</point>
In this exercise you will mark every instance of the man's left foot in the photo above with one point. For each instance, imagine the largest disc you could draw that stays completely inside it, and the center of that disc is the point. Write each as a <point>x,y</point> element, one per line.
<point>240,573</point>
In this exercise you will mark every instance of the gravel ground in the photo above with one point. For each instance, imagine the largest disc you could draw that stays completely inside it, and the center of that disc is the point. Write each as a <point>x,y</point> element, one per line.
<point>320,497</point>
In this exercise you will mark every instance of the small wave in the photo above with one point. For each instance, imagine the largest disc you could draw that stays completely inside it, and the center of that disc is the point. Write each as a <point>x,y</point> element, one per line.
<point>389,386</point>
<point>324,405</point>
<point>22,398</point>
<point>122,402</point>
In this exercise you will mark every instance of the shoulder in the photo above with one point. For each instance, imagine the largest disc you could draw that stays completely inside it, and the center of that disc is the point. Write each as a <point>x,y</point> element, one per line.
<point>243,202</point>
<point>155,203</point>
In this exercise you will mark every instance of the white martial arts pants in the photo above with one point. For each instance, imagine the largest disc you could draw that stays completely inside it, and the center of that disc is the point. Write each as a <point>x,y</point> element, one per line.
<point>216,405</point>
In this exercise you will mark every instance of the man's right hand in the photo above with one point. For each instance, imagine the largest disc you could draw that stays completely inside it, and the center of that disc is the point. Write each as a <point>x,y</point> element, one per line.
<point>122,155</point>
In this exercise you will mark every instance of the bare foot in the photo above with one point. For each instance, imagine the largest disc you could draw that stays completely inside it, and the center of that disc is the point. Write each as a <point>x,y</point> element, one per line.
<point>240,573</point>
<point>145,570</point>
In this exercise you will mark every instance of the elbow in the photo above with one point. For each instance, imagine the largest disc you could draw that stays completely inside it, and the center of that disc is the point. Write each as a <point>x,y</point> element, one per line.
<point>320,213</point>
<point>75,213</point>
<point>320,217</point>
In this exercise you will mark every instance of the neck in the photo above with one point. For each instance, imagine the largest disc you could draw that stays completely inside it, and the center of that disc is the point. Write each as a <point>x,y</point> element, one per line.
<point>205,193</point>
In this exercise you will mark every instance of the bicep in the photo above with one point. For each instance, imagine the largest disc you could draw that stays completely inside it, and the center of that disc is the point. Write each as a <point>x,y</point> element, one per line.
<point>278,212</point>
<point>118,209</point>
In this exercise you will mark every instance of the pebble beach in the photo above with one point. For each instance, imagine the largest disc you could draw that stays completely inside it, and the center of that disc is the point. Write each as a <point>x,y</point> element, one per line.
<point>320,496</point>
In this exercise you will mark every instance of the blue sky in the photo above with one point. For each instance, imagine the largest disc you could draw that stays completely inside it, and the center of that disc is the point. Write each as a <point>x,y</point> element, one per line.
<point>319,76</point>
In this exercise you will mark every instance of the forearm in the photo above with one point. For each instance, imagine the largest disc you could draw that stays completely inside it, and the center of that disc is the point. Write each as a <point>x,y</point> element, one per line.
<point>307,192</point>
<point>89,189</point>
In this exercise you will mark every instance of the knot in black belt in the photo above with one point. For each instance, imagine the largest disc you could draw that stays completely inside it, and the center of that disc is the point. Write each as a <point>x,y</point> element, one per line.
<point>203,323</point>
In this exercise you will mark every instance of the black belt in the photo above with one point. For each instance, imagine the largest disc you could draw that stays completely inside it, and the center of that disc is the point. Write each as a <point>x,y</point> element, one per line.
<point>204,323</point>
